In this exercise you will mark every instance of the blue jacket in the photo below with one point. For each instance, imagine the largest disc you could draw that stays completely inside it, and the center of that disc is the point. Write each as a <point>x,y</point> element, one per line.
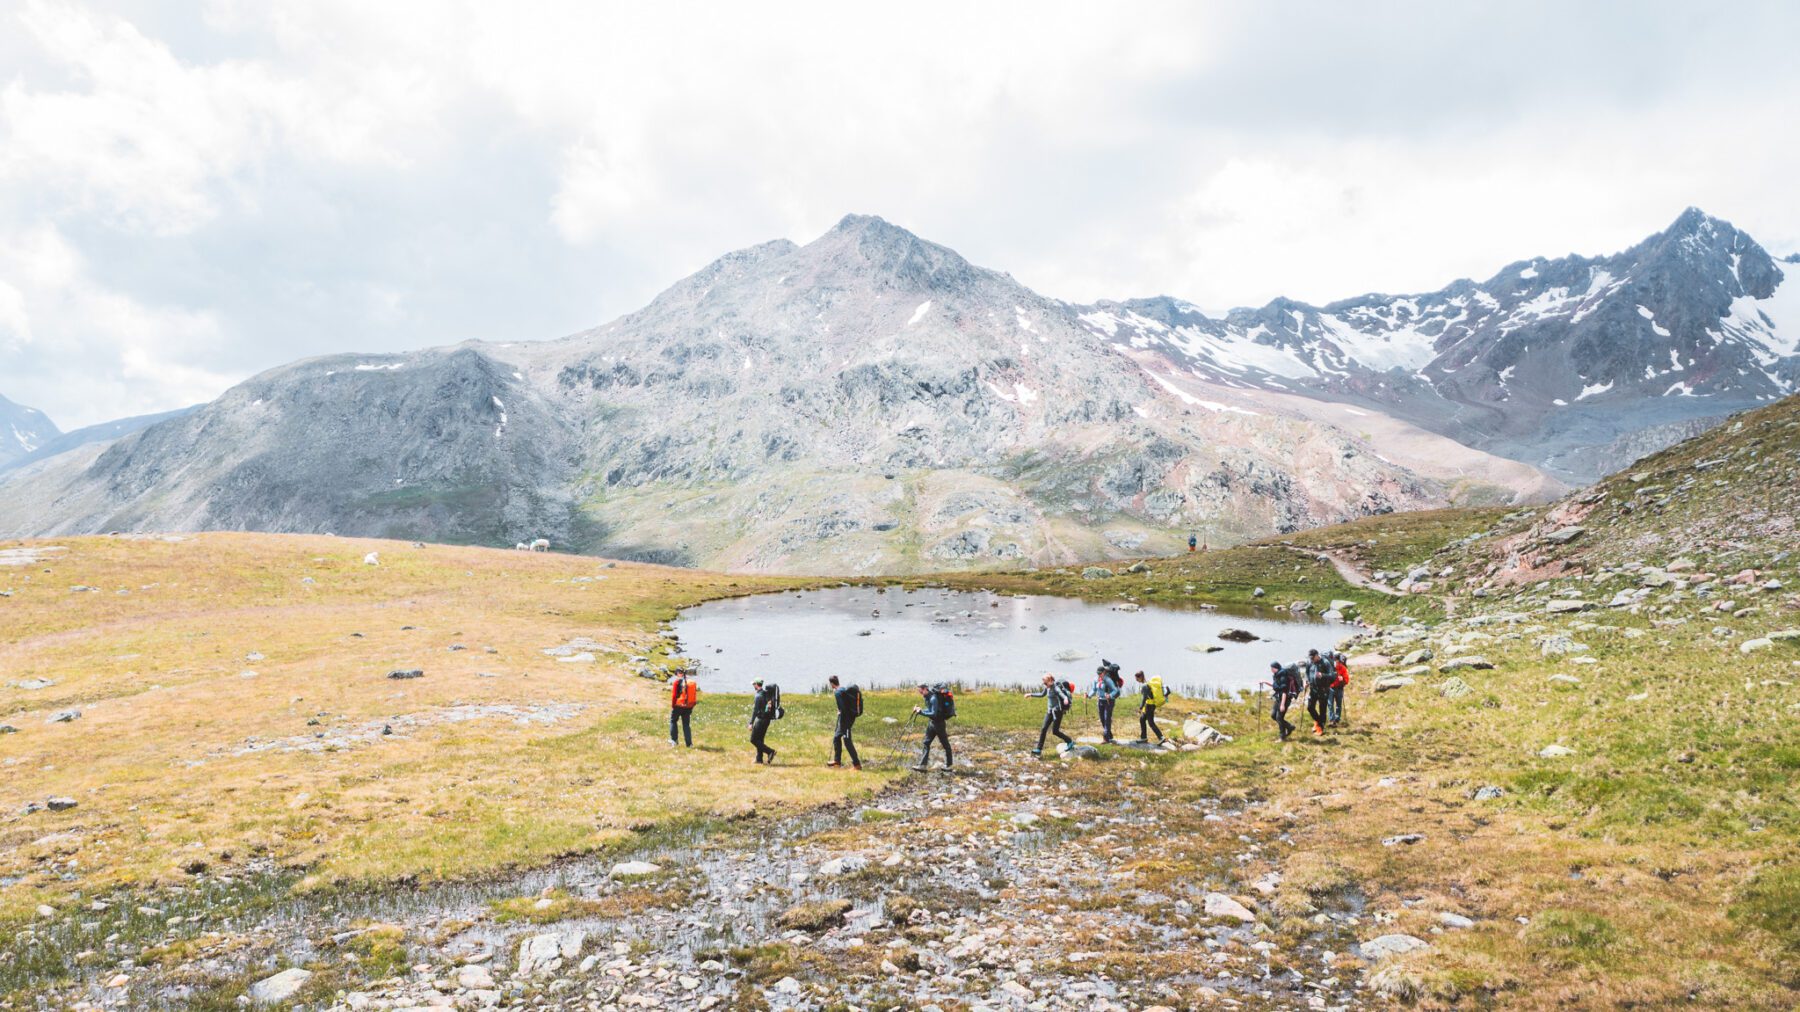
<point>1104,689</point>
<point>933,708</point>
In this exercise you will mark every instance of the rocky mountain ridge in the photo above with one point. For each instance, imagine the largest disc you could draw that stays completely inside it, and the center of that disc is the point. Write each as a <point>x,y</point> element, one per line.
<point>22,430</point>
<point>1545,362</point>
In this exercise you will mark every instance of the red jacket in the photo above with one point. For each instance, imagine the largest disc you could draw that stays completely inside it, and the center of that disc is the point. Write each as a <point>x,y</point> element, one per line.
<point>1343,675</point>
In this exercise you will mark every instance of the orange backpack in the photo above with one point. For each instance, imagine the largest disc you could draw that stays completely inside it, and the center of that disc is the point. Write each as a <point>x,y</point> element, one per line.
<point>687,694</point>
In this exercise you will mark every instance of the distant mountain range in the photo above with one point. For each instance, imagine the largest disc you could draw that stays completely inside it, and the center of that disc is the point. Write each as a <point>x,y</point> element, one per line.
<point>22,431</point>
<point>872,402</point>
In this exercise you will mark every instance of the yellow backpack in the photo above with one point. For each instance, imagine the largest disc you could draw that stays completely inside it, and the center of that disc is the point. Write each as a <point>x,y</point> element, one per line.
<point>1157,695</point>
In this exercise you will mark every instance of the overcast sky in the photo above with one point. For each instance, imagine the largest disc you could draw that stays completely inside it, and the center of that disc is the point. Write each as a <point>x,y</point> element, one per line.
<point>191,192</point>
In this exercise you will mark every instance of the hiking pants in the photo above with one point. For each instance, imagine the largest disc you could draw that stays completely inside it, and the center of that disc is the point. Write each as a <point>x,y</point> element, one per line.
<point>1147,723</point>
<point>759,729</point>
<point>840,740</point>
<point>1337,703</point>
<point>1052,726</point>
<point>1278,712</point>
<point>939,730</point>
<point>1105,706</point>
<point>681,715</point>
<point>1316,703</point>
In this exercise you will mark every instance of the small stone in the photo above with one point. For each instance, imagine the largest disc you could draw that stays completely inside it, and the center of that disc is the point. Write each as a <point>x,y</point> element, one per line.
<point>474,978</point>
<point>60,804</point>
<point>64,717</point>
<point>1388,683</point>
<point>402,673</point>
<point>634,869</point>
<point>1404,839</point>
<point>1555,752</point>
<point>1488,793</point>
<point>1752,646</point>
<point>843,865</point>
<point>1223,906</point>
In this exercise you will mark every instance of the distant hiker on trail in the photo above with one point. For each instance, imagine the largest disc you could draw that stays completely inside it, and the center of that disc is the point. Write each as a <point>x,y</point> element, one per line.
<point>684,693</point>
<point>849,707</point>
<point>1193,542</point>
<point>1341,665</point>
<point>1105,694</point>
<point>1284,682</point>
<point>1153,696</point>
<point>766,708</point>
<point>1058,698</point>
<point>938,708</point>
<point>1319,676</point>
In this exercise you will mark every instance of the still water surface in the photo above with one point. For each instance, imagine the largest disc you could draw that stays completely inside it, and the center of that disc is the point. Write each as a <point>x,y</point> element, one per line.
<point>894,638</point>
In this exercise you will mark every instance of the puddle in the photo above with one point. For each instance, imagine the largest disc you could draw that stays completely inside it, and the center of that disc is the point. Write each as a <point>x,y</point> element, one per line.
<point>895,638</point>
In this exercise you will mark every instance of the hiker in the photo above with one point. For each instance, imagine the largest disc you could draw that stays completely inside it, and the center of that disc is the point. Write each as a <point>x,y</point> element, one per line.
<point>1192,542</point>
<point>1319,676</point>
<point>1105,695</point>
<point>684,692</point>
<point>1059,698</point>
<point>1341,665</point>
<point>1284,681</point>
<point>766,708</point>
<point>1153,696</point>
<point>849,707</point>
<point>938,708</point>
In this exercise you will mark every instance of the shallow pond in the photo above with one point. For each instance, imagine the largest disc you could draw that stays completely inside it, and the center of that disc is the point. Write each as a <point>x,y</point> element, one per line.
<point>886,638</point>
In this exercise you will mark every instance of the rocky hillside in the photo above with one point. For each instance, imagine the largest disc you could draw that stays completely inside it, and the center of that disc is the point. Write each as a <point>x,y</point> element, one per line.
<point>1574,364</point>
<point>868,402</point>
<point>22,430</point>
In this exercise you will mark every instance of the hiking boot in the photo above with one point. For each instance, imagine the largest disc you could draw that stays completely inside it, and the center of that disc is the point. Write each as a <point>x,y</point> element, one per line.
<point>920,767</point>
<point>856,766</point>
<point>1037,753</point>
<point>1318,730</point>
<point>833,765</point>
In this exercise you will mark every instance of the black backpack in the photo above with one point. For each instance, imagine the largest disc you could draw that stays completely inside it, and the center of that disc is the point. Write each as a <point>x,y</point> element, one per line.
<point>855,701</point>
<point>946,701</point>
<point>774,711</point>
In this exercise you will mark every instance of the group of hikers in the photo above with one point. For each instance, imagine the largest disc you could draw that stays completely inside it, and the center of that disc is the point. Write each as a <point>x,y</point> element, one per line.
<point>1322,677</point>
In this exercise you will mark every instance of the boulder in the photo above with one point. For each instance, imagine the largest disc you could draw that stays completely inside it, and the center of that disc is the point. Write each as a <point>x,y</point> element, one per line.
<point>280,987</point>
<point>1201,733</point>
<point>1258,592</point>
<point>1222,906</point>
<point>474,978</point>
<point>1392,945</point>
<point>404,673</point>
<point>1567,607</point>
<point>1555,752</point>
<point>60,804</point>
<point>1343,606</point>
<point>1419,656</point>
<point>1138,567</point>
<point>1561,679</point>
<point>843,865</point>
<point>1088,752</point>
<point>1474,662</point>
<point>1488,792</point>
<point>545,953</point>
<point>1238,635</point>
<point>64,716</point>
<point>1454,688</point>
<point>1096,573</point>
<point>634,869</point>
<point>1564,535</point>
<point>1752,646</point>
<point>32,683</point>
<point>1557,644</point>
<point>1455,922</point>
<point>1388,683</point>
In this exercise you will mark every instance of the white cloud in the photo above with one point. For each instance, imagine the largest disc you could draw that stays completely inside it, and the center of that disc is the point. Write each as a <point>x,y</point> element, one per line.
<point>231,185</point>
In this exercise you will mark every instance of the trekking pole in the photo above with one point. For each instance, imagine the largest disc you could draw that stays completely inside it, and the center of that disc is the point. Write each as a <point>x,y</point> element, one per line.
<point>899,746</point>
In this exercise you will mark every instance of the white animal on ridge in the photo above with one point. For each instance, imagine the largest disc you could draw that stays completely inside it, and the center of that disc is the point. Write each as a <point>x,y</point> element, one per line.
<point>541,545</point>
<point>521,547</point>
<point>372,559</point>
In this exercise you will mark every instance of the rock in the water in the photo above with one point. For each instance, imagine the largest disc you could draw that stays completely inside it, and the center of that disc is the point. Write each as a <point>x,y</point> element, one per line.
<point>280,987</point>
<point>843,865</point>
<point>1221,905</point>
<point>407,673</point>
<point>1555,752</point>
<point>815,915</point>
<point>634,869</point>
<point>1070,655</point>
<point>540,954</point>
<point>1392,945</point>
<point>1238,635</point>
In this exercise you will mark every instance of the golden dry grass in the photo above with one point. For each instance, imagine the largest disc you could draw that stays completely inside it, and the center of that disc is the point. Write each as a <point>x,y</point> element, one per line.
<point>158,660</point>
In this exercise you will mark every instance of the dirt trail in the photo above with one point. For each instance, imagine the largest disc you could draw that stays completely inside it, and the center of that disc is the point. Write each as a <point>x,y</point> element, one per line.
<point>1349,571</point>
<point>1010,883</point>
